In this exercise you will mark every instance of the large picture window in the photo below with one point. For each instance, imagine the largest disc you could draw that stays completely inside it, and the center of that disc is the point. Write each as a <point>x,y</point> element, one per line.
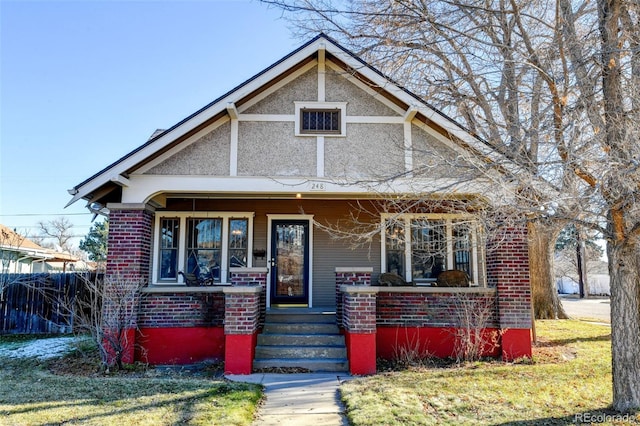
<point>204,246</point>
<point>419,247</point>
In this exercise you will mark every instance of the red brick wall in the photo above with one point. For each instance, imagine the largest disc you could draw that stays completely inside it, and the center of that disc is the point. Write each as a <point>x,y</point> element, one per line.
<point>508,271</point>
<point>128,259</point>
<point>434,309</point>
<point>348,278</point>
<point>359,313</point>
<point>181,310</point>
<point>242,313</point>
<point>251,278</point>
<point>129,245</point>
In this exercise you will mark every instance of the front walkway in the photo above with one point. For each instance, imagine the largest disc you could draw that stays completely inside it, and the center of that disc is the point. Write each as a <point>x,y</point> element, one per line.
<point>299,399</point>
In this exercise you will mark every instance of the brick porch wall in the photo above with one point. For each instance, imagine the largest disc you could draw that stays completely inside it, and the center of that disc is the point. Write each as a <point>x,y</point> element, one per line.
<point>253,277</point>
<point>181,310</point>
<point>349,276</point>
<point>434,309</point>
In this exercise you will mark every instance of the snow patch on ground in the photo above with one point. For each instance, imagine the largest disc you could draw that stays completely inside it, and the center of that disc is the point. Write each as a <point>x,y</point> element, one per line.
<point>40,348</point>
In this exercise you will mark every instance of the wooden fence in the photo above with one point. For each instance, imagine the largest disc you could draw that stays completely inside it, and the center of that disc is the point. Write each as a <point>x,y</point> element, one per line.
<point>41,303</point>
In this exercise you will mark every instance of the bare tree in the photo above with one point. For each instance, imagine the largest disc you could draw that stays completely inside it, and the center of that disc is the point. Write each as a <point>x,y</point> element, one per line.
<point>554,86</point>
<point>493,66</point>
<point>105,310</point>
<point>60,230</point>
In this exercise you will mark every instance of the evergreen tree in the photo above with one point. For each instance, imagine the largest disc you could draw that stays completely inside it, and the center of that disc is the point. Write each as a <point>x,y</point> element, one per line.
<point>95,243</point>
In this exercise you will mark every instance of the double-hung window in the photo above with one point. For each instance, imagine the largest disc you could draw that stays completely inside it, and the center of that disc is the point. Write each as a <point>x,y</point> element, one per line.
<point>169,238</point>
<point>418,247</point>
<point>204,244</point>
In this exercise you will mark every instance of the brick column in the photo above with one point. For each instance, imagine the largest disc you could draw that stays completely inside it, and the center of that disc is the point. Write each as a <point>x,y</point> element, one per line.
<point>359,319</point>
<point>256,277</point>
<point>508,271</point>
<point>241,316</point>
<point>349,276</point>
<point>128,260</point>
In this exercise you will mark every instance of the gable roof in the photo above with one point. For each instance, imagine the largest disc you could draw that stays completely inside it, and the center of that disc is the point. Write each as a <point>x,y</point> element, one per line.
<point>11,241</point>
<point>107,181</point>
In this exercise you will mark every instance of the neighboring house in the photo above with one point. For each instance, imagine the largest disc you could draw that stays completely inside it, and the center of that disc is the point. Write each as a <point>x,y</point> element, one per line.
<point>242,195</point>
<point>20,255</point>
<point>598,285</point>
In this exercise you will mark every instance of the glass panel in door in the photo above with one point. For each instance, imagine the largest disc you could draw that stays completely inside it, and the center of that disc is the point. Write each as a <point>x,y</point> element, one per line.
<point>289,262</point>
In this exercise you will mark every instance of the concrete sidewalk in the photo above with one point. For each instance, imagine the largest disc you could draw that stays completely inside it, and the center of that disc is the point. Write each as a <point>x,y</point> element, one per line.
<point>299,399</point>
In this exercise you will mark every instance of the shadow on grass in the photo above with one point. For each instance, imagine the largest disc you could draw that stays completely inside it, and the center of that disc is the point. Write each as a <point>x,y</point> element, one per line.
<point>186,404</point>
<point>87,400</point>
<point>600,416</point>
<point>563,342</point>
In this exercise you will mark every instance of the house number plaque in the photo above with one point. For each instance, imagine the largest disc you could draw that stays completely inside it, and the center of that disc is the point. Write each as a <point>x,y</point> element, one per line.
<point>317,186</point>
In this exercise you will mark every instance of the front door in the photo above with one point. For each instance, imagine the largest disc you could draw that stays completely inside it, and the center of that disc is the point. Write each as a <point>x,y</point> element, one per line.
<point>289,262</point>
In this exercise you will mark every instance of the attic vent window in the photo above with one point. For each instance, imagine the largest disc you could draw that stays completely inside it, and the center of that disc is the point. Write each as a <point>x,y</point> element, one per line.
<point>321,119</point>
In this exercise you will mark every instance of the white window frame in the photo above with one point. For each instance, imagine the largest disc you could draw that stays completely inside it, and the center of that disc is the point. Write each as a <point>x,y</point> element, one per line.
<point>182,241</point>
<point>449,220</point>
<point>341,106</point>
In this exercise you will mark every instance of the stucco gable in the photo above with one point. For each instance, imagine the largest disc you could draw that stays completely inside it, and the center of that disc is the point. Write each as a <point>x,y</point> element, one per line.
<point>209,155</point>
<point>281,101</point>
<point>340,86</point>
<point>432,156</point>
<point>320,70</point>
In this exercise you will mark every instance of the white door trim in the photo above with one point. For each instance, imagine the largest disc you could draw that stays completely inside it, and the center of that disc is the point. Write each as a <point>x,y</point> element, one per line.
<point>307,217</point>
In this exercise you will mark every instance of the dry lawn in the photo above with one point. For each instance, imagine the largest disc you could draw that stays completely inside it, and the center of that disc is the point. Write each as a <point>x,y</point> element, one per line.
<point>568,382</point>
<point>70,391</point>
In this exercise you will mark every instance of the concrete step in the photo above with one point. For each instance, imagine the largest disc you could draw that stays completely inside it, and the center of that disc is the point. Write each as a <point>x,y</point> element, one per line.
<point>300,352</point>
<point>300,328</point>
<point>300,339</point>
<point>313,317</point>
<point>316,365</point>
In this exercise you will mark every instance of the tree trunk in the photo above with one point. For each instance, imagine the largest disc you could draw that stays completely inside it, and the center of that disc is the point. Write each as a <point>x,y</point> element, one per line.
<point>620,192</point>
<point>542,240</point>
<point>624,264</point>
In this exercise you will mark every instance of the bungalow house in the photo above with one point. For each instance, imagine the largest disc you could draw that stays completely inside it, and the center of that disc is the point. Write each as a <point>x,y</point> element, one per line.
<point>266,219</point>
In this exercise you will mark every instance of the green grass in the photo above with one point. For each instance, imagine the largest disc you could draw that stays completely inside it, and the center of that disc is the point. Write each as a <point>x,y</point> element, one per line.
<point>30,394</point>
<point>570,376</point>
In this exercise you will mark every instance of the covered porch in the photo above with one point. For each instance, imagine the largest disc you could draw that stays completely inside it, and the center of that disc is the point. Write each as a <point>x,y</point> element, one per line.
<point>187,325</point>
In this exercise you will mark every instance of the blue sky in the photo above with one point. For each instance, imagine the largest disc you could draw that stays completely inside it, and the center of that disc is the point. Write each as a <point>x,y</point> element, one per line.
<point>83,83</point>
